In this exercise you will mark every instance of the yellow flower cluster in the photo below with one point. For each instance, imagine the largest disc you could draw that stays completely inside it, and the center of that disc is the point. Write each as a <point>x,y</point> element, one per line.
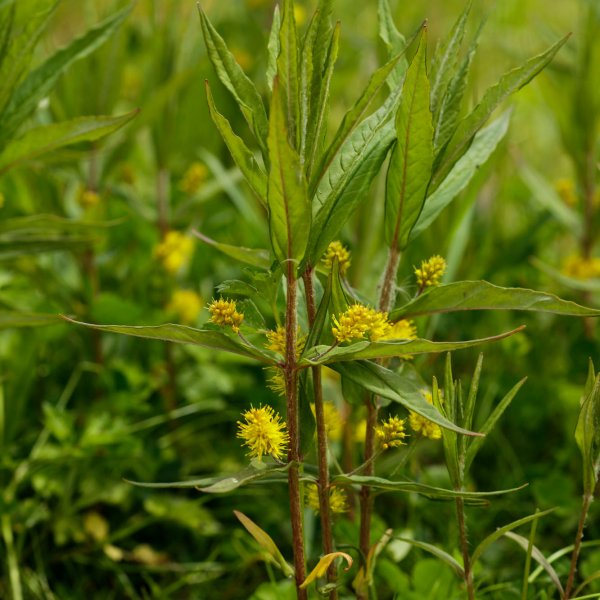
<point>337,250</point>
<point>424,426</point>
<point>333,420</point>
<point>276,382</point>
<point>263,432</point>
<point>391,433</point>
<point>276,341</point>
<point>358,321</point>
<point>174,251</point>
<point>186,304</point>
<point>193,178</point>
<point>338,502</point>
<point>88,198</point>
<point>579,267</point>
<point>565,188</point>
<point>431,271</point>
<point>224,313</point>
<point>404,329</point>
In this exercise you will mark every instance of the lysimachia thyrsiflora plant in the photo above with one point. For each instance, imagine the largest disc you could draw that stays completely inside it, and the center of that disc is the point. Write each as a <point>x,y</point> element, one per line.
<point>309,182</point>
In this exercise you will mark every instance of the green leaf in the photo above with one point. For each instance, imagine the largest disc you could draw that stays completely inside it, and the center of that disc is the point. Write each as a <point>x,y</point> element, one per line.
<point>224,483</point>
<point>390,385</point>
<point>324,563</point>
<point>182,334</point>
<point>412,158</point>
<point>274,47</point>
<point>394,41</point>
<point>538,557</point>
<point>287,71</point>
<point>482,295</point>
<point>40,81</point>
<point>363,350</point>
<point>243,157</point>
<point>289,208</point>
<point>481,149</point>
<point>438,553</point>
<point>408,486</point>
<point>266,542</point>
<point>236,81</point>
<point>490,539</point>
<point>587,435</point>
<point>490,422</point>
<point>260,259</point>
<point>41,140</point>
<point>509,83</point>
<point>9,319</point>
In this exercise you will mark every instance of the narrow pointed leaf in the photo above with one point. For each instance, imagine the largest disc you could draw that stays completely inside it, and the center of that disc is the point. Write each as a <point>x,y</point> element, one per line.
<point>386,349</point>
<point>241,154</point>
<point>289,208</point>
<point>412,158</point>
<point>394,42</point>
<point>484,144</point>
<point>40,81</point>
<point>390,385</point>
<point>182,334</point>
<point>287,70</point>
<point>587,436</point>
<point>482,295</point>
<point>41,140</point>
<point>250,256</point>
<point>273,47</point>
<point>324,563</point>
<point>496,535</point>
<point>236,81</point>
<point>438,553</point>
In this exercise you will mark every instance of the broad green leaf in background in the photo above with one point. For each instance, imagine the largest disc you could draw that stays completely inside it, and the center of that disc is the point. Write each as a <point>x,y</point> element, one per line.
<point>585,285</point>
<point>39,82</point>
<point>482,295</point>
<point>266,542</point>
<point>321,355</point>
<point>237,82</point>
<point>508,84</point>
<point>250,256</point>
<point>390,385</point>
<point>412,158</point>
<point>243,157</point>
<point>485,142</point>
<point>182,334</point>
<point>41,140</point>
<point>289,208</point>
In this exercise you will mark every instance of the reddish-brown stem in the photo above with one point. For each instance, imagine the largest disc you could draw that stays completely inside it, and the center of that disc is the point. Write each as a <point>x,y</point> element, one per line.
<point>291,389</point>
<point>323,487</point>
<point>587,500</point>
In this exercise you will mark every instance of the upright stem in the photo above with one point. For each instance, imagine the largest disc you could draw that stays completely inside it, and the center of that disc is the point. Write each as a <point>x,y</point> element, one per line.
<point>588,183</point>
<point>291,389</point>
<point>11,558</point>
<point>386,301</point>
<point>464,547</point>
<point>585,507</point>
<point>323,487</point>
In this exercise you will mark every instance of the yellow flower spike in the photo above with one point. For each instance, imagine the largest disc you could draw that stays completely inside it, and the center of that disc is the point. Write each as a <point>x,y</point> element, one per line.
<point>264,433</point>
<point>337,250</point>
<point>186,304</point>
<point>224,313</point>
<point>565,188</point>
<point>338,501</point>
<point>579,267</point>
<point>431,271</point>
<point>193,178</point>
<point>358,321</point>
<point>174,251</point>
<point>424,426</point>
<point>391,433</point>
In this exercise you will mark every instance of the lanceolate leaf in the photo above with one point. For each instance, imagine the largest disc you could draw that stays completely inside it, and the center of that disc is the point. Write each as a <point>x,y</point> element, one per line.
<point>390,385</point>
<point>321,568</point>
<point>289,208</point>
<point>235,80</point>
<point>481,295</point>
<point>418,488</point>
<point>394,42</point>
<point>243,157</point>
<point>39,82</point>
<point>412,158</point>
<point>41,140</point>
<point>251,256</point>
<point>273,47</point>
<point>493,97</point>
<point>181,334</point>
<point>438,553</point>
<point>287,70</point>
<point>386,349</point>
<point>483,145</point>
<point>587,435</point>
